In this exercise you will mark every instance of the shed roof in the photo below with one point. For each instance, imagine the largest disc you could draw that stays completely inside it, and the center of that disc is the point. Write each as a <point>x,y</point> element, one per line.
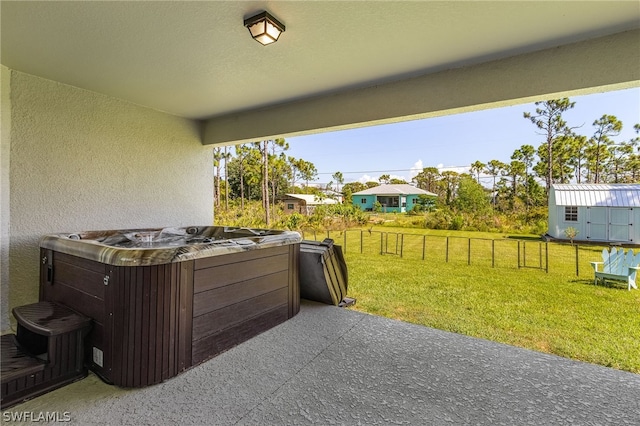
<point>397,189</point>
<point>604,195</point>
<point>312,199</point>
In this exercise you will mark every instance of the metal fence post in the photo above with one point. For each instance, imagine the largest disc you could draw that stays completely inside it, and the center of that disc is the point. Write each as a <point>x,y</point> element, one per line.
<point>447,251</point>
<point>381,240</point>
<point>361,231</point>
<point>424,245</point>
<point>546,250</point>
<point>401,244</point>
<point>577,263</point>
<point>469,253</point>
<point>345,241</point>
<point>540,254</point>
<point>493,253</point>
<point>518,254</point>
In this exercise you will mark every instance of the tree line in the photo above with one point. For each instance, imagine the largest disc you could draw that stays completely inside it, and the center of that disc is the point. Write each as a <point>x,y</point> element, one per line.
<point>563,156</point>
<point>258,171</point>
<point>263,171</point>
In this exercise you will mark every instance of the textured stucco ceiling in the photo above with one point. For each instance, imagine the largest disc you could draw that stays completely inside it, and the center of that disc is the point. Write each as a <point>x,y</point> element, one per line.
<point>196,60</point>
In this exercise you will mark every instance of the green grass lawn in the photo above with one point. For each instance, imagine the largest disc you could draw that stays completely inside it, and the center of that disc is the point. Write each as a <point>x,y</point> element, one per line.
<point>555,312</point>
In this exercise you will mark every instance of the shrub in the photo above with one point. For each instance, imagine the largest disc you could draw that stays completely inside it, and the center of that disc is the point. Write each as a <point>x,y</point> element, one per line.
<point>571,233</point>
<point>539,228</point>
<point>440,219</point>
<point>294,221</point>
<point>416,210</point>
<point>337,216</point>
<point>457,223</point>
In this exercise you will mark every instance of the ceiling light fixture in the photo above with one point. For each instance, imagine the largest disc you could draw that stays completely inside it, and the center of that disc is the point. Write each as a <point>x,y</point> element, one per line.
<point>264,28</point>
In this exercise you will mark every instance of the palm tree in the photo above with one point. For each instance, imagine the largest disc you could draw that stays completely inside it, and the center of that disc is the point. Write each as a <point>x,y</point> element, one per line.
<point>477,167</point>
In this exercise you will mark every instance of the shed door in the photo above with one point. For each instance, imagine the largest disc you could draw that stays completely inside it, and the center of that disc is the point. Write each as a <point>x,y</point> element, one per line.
<point>619,221</point>
<point>597,223</point>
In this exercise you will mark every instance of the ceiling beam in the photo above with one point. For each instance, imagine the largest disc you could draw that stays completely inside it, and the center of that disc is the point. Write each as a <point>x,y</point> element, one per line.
<point>596,65</point>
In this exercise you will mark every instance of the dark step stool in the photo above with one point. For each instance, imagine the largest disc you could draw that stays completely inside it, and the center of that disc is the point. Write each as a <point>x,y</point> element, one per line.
<point>46,353</point>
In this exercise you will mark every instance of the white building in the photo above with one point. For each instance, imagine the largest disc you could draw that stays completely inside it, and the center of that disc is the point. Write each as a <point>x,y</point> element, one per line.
<point>304,203</point>
<point>600,212</point>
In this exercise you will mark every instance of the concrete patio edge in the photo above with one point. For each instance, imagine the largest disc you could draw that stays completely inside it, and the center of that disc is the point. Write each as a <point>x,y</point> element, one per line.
<point>330,365</point>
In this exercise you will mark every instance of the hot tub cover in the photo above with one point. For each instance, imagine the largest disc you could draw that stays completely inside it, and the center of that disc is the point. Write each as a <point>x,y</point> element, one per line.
<point>155,246</point>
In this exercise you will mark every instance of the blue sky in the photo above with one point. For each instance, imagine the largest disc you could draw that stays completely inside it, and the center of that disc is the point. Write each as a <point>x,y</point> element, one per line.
<point>450,142</point>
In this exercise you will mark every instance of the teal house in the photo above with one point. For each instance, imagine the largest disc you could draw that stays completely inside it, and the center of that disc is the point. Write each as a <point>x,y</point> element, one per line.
<point>393,198</point>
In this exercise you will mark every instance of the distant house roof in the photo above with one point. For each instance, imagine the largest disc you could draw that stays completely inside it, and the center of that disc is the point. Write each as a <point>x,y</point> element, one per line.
<point>399,189</point>
<point>590,194</point>
<point>312,199</point>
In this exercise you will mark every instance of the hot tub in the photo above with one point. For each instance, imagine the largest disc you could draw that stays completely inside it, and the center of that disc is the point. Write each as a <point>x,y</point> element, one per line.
<point>164,300</point>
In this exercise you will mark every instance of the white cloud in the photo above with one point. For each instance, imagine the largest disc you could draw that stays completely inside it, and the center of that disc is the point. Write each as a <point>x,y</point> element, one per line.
<point>413,171</point>
<point>367,178</point>
<point>457,169</point>
<point>417,168</point>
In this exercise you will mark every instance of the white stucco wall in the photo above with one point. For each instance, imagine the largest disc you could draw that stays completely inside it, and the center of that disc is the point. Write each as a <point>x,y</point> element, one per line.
<point>5,144</point>
<point>84,161</point>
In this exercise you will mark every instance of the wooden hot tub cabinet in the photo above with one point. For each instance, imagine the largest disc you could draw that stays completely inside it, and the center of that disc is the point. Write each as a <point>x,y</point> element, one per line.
<point>152,322</point>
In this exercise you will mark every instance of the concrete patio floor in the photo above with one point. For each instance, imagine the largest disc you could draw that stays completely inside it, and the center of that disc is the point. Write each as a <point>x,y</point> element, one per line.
<point>330,365</point>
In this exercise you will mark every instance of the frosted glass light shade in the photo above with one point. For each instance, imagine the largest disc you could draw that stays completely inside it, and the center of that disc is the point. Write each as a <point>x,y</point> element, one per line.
<point>264,28</point>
